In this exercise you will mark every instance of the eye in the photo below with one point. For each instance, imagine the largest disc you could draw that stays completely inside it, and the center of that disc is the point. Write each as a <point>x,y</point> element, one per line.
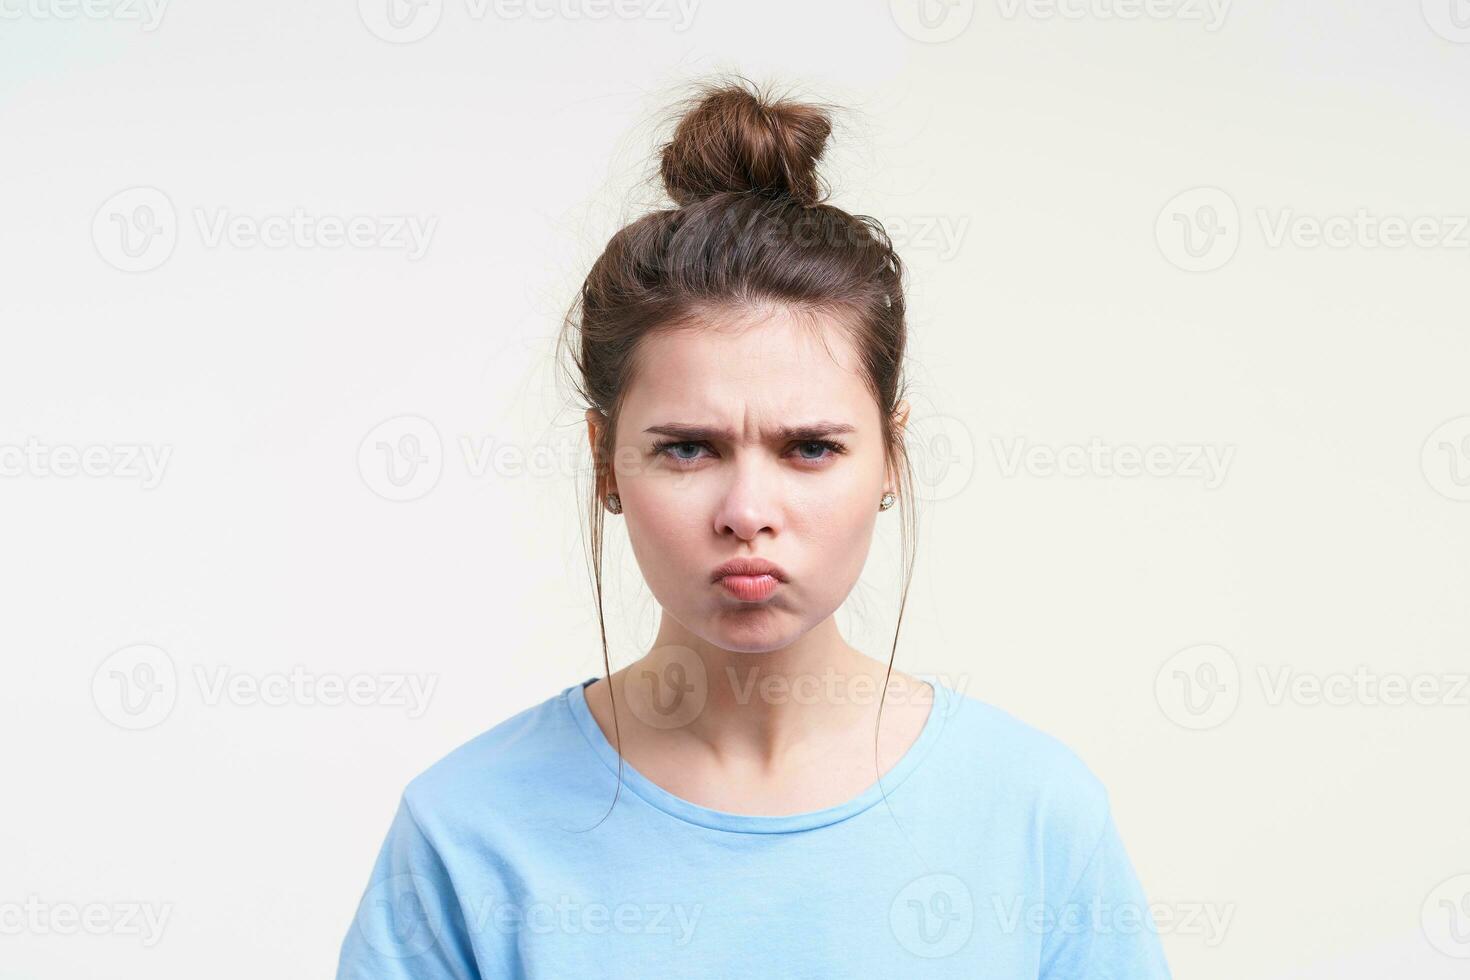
<point>808,450</point>
<point>826,449</point>
<point>669,449</point>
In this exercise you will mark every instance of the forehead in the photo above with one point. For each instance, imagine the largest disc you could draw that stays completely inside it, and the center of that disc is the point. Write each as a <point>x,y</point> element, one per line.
<point>774,365</point>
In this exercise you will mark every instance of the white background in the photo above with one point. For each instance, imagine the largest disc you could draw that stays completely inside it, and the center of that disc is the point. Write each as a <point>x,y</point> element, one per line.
<point>1030,162</point>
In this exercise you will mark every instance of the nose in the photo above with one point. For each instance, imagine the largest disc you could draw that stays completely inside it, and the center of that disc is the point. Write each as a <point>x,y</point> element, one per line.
<point>750,502</point>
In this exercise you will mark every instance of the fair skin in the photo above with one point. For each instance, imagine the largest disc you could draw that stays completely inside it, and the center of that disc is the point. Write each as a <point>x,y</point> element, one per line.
<point>753,707</point>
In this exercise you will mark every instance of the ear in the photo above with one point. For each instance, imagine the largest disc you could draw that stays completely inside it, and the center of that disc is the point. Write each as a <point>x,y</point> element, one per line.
<point>607,482</point>
<point>900,423</point>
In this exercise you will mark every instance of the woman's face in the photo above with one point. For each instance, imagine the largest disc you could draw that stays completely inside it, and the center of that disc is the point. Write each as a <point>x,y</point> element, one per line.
<point>748,438</point>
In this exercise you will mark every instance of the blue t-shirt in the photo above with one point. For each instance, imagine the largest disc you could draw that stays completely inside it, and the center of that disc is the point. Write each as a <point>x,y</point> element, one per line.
<point>995,855</point>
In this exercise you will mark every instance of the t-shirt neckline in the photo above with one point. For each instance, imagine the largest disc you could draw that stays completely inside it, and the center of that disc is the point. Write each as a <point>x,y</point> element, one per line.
<point>575,698</point>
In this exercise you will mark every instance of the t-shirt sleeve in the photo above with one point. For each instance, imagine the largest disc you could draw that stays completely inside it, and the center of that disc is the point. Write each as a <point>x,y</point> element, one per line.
<point>1104,929</point>
<point>409,924</point>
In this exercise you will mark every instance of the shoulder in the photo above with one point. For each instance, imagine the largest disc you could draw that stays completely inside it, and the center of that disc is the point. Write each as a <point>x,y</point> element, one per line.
<point>1027,792</point>
<point>503,770</point>
<point>1016,761</point>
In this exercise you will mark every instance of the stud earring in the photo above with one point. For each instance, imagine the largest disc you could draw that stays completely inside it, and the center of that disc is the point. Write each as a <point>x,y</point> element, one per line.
<point>887,501</point>
<point>613,503</point>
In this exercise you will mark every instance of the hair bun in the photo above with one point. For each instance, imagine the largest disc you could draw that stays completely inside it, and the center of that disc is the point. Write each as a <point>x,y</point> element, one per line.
<point>734,138</point>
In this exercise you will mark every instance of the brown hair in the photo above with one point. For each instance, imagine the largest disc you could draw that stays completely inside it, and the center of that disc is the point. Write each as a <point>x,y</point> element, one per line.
<point>750,231</point>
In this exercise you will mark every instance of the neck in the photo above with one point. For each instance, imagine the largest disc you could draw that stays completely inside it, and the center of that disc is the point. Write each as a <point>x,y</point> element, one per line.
<point>760,706</point>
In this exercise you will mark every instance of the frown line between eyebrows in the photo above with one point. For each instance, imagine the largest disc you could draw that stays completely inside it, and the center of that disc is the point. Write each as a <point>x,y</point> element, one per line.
<point>795,433</point>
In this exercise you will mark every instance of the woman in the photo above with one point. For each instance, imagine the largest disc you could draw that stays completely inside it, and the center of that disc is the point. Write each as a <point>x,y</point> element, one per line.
<point>797,809</point>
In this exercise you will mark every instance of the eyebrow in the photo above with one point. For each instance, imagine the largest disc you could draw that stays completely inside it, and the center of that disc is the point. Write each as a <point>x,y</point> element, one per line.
<point>793,433</point>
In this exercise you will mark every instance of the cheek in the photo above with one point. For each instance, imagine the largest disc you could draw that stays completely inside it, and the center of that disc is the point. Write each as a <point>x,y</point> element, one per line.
<point>834,537</point>
<point>666,525</point>
<point>667,539</point>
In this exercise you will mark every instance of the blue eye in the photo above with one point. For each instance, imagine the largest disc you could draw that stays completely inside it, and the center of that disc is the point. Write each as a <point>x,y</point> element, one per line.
<point>678,445</point>
<point>823,446</point>
<point>826,449</point>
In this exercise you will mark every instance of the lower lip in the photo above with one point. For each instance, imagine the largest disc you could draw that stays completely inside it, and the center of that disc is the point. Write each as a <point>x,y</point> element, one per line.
<point>751,588</point>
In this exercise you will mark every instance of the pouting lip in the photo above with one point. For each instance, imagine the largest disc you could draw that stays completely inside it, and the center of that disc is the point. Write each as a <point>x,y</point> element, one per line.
<point>748,566</point>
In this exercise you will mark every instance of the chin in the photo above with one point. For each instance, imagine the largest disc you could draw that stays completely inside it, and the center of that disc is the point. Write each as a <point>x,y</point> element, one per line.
<point>752,630</point>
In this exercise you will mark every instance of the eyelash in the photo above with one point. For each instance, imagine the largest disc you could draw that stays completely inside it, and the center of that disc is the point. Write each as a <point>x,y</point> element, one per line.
<point>834,449</point>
